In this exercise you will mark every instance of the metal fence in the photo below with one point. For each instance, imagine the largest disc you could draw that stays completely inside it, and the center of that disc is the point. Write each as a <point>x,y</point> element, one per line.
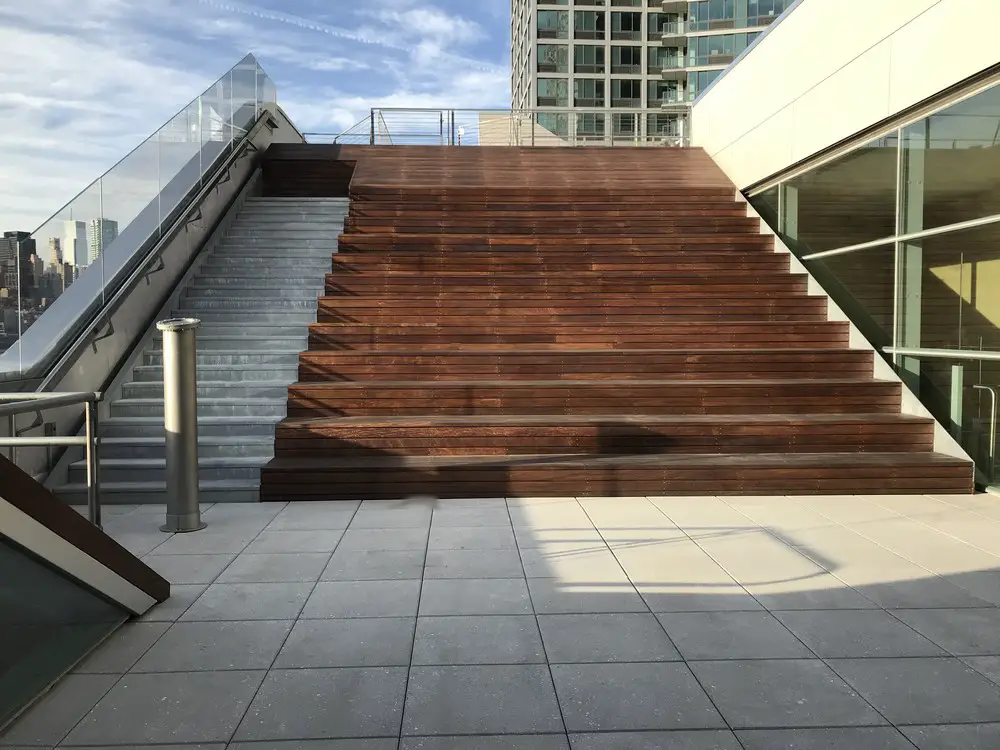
<point>504,127</point>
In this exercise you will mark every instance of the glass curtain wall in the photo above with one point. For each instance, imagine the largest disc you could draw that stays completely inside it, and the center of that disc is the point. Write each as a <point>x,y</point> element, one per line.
<point>904,233</point>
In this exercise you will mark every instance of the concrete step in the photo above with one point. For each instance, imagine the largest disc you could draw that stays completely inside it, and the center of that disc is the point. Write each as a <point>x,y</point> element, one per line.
<point>284,234</point>
<point>227,372</point>
<point>214,389</point>
<point>253,328</point>
<point>257,317</point>
<point>211,344</point>
<point>280,242</point>
<point>256,265</point>
<point>208,427</point>
<point>209,446</point>
<point>223,469</point>
<point>252,303</point>
<point>261,279</point>
<point>153,493</point>
<point>330,222</point>
<point>258,291</point>
<point>207,407</point>
<point>270,359</point>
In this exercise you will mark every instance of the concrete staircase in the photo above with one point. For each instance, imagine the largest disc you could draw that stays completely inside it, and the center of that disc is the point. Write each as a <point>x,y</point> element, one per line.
<point>256,296</point>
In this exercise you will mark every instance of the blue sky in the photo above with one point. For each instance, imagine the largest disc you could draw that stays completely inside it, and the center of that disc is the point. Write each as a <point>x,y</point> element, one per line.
<point>84,81</point>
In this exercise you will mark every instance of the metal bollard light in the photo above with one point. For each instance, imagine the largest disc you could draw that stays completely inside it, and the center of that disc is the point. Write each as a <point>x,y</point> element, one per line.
<point>180,418</point>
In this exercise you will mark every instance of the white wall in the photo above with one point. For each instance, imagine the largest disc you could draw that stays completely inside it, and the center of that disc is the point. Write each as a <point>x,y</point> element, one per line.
<point>831,69</point>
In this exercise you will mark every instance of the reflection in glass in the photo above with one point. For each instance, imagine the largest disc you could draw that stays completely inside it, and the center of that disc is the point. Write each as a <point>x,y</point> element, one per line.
<point>862,283</point>
<point>47,623</point>
<point>951,163</point>
<point>846,202</point>
<point>91,243</point>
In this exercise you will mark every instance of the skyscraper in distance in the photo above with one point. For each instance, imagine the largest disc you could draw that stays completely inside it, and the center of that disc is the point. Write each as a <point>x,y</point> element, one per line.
<point>100,233</point>
<point>74,243</point>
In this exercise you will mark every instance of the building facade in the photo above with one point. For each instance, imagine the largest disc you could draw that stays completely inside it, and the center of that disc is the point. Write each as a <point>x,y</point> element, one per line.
<point>74,243</point>
<point>891,204</point>
<point>100,234</point>
<point>622,70</point>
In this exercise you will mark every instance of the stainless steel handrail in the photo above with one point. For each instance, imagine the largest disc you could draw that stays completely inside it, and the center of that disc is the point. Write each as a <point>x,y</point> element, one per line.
<point>12,404</point>
<point>944,353</point>
<point>993,428</point>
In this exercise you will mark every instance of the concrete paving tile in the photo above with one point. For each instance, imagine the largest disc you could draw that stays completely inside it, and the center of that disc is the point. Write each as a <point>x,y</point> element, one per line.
<point>721,597</point>
<point>303,567</point>
<point>964,632</point>
<point>552,596</point>
<point>182,596</point>
<point>529,537</point>
<point>605,638</point>
<point>383,743</point>
<point>418,517</point>
<point>58,711</point>
<point>471,517</point>
<point>912,691</point>
<point>955,737</point>
<point>249,601</point>
<point>322,540</point>
<point>363,599</point>
<point>468,563</point>
<point>480,700</point>
<point>782,693</point>
<point>314,516</point>
<point>207,542</point>
<point>366,642</point>
<point>854,738</point>
<point>988,666</point>
<point>383,539</point>
<point>685,739</point>
<point>478,640</point>
<point>475,596</point>
<point>856,633</point>
<point>822,591</point>
<point>488,742</point>
<point>474,538</point>
<point>632,697</point>
<point>162,708</point>
<point>123,648</point>
<point>377,565</point>
<point>731,635</point>
<point>209,646</point>
<point>572,564</point>
<point>189,568</point>
<point>326,703</point>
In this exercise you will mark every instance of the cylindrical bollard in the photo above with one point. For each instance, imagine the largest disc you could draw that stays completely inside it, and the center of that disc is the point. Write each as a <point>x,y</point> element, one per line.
<point>180,418</point>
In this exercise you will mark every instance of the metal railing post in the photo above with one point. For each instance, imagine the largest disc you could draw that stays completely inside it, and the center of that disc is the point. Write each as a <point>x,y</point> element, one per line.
<point>93,453</point>
<point>180,419</point>
<point>372,139</point>
<point>992,475</point>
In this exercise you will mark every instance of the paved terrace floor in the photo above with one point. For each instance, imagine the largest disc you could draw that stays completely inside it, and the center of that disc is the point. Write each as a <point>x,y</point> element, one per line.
<point>687,623</point>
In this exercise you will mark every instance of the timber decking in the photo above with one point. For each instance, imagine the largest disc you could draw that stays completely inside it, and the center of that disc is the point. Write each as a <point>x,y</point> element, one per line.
<point>573,322</point>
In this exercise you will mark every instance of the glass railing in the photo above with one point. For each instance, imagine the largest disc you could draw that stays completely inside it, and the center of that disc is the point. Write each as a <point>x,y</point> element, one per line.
<point>59,278</point>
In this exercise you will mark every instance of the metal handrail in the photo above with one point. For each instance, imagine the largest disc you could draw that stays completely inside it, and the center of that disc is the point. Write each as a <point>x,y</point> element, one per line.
<point>973,354</point>
<point>26,403</point>
<point>993,428</point>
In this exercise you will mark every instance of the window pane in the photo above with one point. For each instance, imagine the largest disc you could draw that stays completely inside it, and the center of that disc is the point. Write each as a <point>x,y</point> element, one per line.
<point>847,202</point>
<point>951,164</point>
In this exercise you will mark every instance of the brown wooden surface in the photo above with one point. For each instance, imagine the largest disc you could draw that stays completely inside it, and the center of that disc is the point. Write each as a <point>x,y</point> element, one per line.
<point>573,322</point>
<point>36,501</point>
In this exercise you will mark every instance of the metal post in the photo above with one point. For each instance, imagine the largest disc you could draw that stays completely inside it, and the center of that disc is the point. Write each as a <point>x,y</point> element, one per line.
<point>534,121</point>
<point>12,431</point>
<point>957,388</point>
<point>373,127</point>
<point>992,473</point>
<point>180,418</point>
<point>441,125</point>
<point>93,453</point>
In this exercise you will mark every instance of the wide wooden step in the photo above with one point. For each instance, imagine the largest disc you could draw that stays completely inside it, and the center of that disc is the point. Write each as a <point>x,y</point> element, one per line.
<point>471,335</point>
<point>568,283</point>
<point>684,225</point>
<point>734,396</point>
<point>496,210</point>
<point>618,434</point>
<point>397,243</point>
<point>583,364</point>
<point>362,477</point>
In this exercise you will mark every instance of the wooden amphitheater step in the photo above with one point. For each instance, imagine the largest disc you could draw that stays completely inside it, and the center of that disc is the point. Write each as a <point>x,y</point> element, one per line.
<point>583,364</point>
<point>619,435</point>
<point>666,396</point>
<point>473,335</point>
<point>393,477</point>
<point>511,322</point>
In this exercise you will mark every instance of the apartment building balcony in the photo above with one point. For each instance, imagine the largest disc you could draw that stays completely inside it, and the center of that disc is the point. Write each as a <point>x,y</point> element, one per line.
<point>674,34</point>
<point>626,103</point>
<point>674,6</point>
<point>626,69</point>
<point>674,70</point>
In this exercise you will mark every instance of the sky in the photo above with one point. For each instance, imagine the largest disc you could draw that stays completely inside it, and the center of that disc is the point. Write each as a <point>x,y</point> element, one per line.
<point>82,82</point>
